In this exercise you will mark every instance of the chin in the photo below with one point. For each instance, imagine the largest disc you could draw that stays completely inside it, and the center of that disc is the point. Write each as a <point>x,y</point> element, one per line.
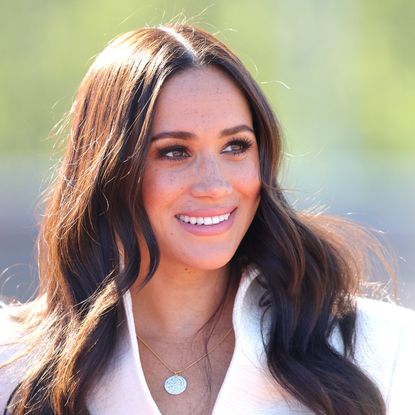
<point>208,263</point>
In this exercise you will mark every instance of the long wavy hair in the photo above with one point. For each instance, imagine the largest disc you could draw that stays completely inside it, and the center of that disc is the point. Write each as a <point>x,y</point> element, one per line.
<point>89,254</point>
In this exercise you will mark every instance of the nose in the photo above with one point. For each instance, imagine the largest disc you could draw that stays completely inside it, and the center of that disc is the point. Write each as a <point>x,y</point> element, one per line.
<point>210,179</point>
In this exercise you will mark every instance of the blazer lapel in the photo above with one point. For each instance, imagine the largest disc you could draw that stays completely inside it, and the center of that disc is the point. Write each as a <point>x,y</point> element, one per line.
<point>122,389</point>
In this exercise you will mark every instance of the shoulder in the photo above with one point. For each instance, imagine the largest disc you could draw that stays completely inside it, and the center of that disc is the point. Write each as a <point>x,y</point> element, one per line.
<point>10,346</point>
<point>375,311</point>
<point>385,345</point>
<point>11,330</point>
<point>391,322</point>
<point>384,326</point>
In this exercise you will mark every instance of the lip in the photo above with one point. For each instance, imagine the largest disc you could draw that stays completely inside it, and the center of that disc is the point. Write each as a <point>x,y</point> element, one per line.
<point>208,230</point>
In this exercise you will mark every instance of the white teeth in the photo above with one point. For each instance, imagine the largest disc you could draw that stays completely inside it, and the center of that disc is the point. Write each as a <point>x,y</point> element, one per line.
<point>207,220</point>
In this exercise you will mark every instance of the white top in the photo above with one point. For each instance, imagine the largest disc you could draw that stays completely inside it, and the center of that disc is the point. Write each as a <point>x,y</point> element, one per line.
<point>384,350</point>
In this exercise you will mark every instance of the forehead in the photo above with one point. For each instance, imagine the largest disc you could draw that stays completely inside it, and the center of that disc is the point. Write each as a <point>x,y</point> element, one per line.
<point>200,99</point>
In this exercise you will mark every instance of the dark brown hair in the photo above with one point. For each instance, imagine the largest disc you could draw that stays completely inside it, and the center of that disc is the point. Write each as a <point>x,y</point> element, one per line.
<point>310,270</point>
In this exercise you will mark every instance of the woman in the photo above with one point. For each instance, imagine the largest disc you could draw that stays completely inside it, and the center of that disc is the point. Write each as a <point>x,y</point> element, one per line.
<point>175,277</point>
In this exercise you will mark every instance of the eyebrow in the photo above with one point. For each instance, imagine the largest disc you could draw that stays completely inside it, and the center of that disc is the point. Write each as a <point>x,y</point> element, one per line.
<point>186,135</point>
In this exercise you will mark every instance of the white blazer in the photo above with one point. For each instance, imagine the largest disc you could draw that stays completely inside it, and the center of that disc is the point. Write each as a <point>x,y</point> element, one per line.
<point>385,351</point>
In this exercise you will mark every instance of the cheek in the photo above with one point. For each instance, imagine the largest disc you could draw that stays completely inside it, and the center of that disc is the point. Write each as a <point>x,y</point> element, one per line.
<point>248,181</point>
<point>159,188</point>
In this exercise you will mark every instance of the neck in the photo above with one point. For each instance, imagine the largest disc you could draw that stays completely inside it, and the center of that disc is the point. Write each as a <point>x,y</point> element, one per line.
<point>177,303</point>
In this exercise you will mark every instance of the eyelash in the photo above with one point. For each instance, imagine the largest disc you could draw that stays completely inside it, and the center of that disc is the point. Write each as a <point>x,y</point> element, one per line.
<point>244,144</point>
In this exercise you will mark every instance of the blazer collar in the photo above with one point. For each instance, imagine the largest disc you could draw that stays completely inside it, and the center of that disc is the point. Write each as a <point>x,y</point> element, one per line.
<point>122,387</point>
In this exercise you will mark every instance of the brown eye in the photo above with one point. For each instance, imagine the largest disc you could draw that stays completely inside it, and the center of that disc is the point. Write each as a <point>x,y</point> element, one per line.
<point>237,146</point>
<point>173,153</point>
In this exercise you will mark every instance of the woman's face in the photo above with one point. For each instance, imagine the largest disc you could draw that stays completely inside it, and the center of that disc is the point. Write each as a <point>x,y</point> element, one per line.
<point>201,182</point>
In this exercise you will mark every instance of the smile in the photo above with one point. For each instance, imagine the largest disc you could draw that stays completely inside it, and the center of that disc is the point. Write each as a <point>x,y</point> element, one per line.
<point>204,220</point>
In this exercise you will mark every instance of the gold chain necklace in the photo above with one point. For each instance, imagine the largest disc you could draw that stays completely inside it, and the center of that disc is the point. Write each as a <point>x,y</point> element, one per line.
<point>177,384</point>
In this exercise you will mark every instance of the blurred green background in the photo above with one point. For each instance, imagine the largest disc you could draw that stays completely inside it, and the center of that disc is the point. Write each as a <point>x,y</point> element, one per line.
<point>340,76</point>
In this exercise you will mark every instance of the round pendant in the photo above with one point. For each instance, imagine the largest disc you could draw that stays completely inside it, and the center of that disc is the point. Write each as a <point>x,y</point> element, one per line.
<point>175,385</point>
